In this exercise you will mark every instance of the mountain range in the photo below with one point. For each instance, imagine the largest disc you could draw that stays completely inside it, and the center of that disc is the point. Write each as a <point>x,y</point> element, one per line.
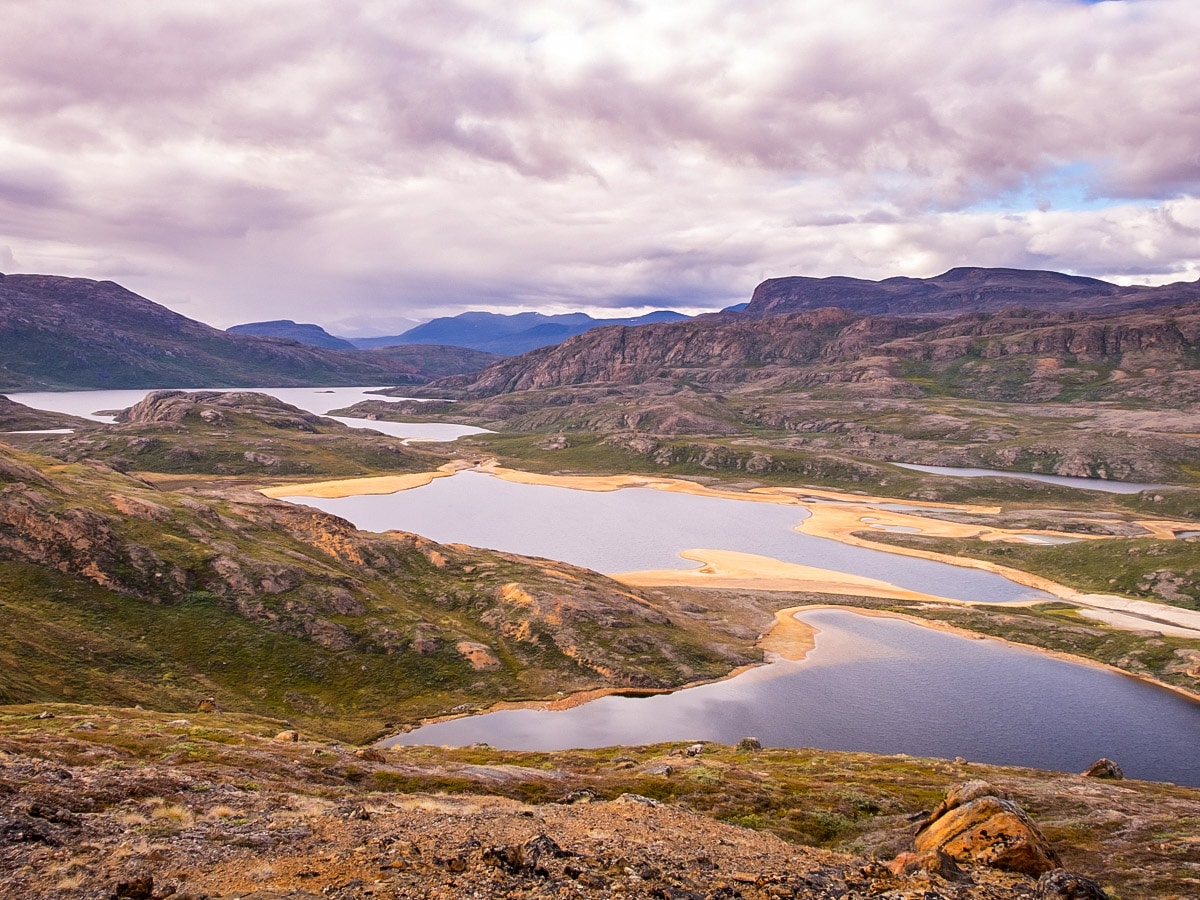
<point>1088,340</point>
<point>504,335</point>
<point>58,332</point>
<point>71,333</point>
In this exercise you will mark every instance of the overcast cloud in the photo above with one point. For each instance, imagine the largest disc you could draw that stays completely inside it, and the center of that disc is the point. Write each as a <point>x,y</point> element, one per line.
<point>359,166</point>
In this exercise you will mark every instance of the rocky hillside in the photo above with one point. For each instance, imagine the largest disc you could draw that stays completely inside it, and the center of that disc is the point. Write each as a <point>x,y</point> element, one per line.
<point>76,333</point>
<point>19,417</point>
<point>1013,355</point>
<point>112,591</point>
<point>234,433</point>
<point>129,804</point>
<point>963,290</point>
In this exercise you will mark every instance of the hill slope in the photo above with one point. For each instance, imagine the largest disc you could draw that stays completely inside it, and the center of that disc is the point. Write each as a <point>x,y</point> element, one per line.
<point>76,333</point>
<point>114,592</point>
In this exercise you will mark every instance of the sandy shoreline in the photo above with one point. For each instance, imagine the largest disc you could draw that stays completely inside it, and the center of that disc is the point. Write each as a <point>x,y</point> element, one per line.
<point>730,569</point>
<point>359,487</point>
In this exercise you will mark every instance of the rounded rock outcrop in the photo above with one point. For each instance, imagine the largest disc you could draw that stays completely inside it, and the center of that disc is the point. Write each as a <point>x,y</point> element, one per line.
<point>975,825</point>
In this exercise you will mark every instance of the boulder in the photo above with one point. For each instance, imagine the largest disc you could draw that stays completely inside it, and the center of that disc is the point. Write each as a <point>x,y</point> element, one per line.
<point>934,862</point>
<point>1104,768</point>
<point>1059,884</point>
<point>749,745</point>
<point>976,826</point>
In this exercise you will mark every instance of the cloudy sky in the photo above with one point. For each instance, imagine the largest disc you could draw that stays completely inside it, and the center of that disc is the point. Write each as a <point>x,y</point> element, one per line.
<point>356,164</point>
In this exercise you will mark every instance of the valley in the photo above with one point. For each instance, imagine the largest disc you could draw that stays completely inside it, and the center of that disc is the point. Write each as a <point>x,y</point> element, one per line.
<point>153,566</point>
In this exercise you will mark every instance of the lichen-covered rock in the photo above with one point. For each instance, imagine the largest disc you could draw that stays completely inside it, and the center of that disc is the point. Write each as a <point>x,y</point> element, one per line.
<point>1059,884</point>
<point>1104,768</point>
<point>979,828</point>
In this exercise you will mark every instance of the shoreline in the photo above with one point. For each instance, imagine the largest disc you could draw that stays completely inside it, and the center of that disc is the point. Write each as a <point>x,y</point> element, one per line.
<point>789,640</point>
<point>731,569</point>
<point>838,523</point>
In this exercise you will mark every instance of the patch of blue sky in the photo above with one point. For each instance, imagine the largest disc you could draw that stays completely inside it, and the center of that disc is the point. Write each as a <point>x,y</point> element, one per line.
<point>1068,187</point>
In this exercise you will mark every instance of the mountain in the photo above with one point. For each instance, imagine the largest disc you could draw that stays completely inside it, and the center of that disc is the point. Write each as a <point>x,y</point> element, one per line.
<point>962,290</point>
<point>74,333</point>
<point>313,335</point>
<point>1014,354</point>
<point>509,335</point>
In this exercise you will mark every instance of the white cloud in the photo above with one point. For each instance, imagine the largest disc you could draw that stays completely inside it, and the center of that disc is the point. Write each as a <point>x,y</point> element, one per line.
<point>259,160</point>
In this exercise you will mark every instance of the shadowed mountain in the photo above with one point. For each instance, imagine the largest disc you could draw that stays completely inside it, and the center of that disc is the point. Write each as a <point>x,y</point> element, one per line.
<point>313,335</point>
<point>509,335</point>
<point>75,333</point>
<point>962,290</point>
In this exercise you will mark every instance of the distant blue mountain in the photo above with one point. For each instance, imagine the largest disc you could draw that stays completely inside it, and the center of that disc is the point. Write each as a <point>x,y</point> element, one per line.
<point>509,335</point>
<point>313,335</point>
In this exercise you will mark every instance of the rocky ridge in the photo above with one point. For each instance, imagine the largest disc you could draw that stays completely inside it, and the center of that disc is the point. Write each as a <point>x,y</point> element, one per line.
<point>966,289</point>
<point>979,355</point>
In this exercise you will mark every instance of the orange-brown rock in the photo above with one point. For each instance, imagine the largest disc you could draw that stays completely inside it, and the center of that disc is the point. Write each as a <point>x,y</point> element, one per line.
<point>983,829</point>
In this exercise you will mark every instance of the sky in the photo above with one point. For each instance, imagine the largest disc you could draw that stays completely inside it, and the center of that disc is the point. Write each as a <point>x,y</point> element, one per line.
<point>361,165</point>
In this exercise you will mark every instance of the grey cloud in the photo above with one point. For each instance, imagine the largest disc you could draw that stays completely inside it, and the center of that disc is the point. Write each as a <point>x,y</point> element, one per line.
<point>428,155</point>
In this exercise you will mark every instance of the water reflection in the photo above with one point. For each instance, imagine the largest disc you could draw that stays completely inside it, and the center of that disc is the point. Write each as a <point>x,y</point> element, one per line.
<point>887,686</point>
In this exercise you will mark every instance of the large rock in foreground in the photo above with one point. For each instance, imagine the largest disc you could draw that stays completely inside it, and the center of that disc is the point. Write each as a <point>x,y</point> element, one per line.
<point>976,826</point>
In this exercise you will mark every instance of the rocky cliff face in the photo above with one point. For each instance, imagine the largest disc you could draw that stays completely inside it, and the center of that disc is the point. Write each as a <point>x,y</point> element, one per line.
<point>832,345</point>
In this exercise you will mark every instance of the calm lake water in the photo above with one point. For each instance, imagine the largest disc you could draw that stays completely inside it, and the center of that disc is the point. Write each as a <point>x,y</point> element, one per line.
<point>886,686</point>
<point>1087,484</point>
<point>641,528</point>
<point>315,400</point>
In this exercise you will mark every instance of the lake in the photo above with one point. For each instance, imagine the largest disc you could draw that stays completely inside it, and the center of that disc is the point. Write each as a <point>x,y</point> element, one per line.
<point>886,685</point>
<point>1087,484</point>
<point>635,529</point>
<point>316,400</point>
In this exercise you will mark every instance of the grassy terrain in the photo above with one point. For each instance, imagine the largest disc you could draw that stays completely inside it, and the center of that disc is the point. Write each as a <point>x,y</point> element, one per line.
<point>112,590</point>
<point>1167,571</point>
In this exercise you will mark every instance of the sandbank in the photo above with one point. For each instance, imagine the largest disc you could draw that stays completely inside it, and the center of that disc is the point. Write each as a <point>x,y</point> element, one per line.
<point>357,487</point>
<point>729,569</point>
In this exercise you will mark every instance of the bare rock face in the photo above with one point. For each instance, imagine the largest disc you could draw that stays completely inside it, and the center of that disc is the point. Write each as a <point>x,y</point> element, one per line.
<point>976,827</point>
